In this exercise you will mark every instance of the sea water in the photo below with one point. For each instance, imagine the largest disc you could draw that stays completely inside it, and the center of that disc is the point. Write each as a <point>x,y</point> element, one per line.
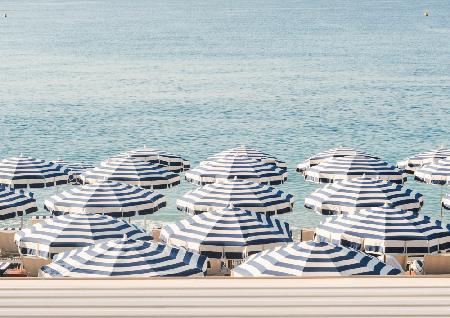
<point>84,80</point>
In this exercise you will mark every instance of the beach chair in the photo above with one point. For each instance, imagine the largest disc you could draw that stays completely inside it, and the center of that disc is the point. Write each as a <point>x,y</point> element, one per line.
<point>156,232</point>
<point>33,264</point>
<point>307,234</point>
<point>214,267</point>
<point>436,264</point>
<point>7,264</point>
<point>8,247</point>
<point>39,218</point>
<point>402,260</point>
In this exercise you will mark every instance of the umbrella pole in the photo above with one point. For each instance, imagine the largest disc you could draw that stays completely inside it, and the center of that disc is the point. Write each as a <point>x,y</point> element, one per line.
<point>21,221</point>
<point>440,202</point>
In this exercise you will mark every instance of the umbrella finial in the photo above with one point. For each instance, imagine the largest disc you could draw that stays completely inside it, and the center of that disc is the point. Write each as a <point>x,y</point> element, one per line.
<point>230,206</point>
<point>125,237</point>
<point>386,204</point>
<point>235,178</point>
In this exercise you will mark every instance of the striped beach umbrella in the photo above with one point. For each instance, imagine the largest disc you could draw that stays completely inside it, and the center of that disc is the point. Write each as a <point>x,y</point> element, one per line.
<point>350,196</point>
<point>446,202</point>
<point>106,197</point>
<point>386,230</point>
<point>126,257</point>
<point>344,168</point>
<point>244,151</point>
<point>169,161</point>
<point>415,162</point>
<point>245,168</point>
<point>329,154</point>
<point>70,231</point>
<point>312,259</point>
<point>132,171</point>
<point>243,194</point>
<point>230,233</point>
<point>434,173</point>
<point>15,203</point>
<point>28,172</point>
<point>75,169</point>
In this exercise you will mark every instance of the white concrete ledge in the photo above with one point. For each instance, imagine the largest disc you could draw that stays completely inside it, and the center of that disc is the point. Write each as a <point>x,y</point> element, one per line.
<point>218,297</point>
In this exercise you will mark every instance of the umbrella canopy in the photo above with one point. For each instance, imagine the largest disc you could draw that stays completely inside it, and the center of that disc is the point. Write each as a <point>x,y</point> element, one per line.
<point>244,151</point>
<point>446,202</point>
<point>15,203</point>
<point>24,172</point>
<point>70,231</point>
<point>243,194</point>
<point>126,257</point>
<point>236,167</point>
<point>386,230</point>
<point>312,259</point>
<point>106,197</point>
<point>132,171</point>
<point>329,154</point>
<point>344,168</point>
<point>230,233</point>
<point>417,161</point>
<point>75,169</point>
<point>350,196</point>
<point>434,173</point>
<point>169,161</point>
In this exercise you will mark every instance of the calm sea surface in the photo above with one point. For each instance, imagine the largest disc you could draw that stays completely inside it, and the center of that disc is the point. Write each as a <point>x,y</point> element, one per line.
<point>83,80</point>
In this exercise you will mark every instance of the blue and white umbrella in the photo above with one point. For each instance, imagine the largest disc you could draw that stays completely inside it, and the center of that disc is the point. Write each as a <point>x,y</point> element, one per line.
<point>244,151</point>
<point>28,172</point>
<point>75,169</point>
<point>350,196</point>
<point>386,230</point>
<point>446,202</point>
<point>70,231</point>
<point>106,197</point>
<point>415,162</point>
<point>132,171</point>
<point>434,173</point>
<point>244,168</point>
<point>312,259</point>
<point>128,258</point>
<point>230,233</point>
<point>344,168</point>
<point>329,154</point>
<point>15,203</point>
<point>243,194</point>
<point>169,161</point>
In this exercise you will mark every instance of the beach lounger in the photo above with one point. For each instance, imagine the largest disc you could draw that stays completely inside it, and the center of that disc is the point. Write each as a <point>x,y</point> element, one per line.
<point>32,264</point>
<point>398,261</point>
<point>215,267</point>
<point>8,264</point>
<point>436,264</point>
<point>8,247</point>
<point>39,218</point>
<point>402,260</point>
<point>307,234</point>
<point>156,232</point>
